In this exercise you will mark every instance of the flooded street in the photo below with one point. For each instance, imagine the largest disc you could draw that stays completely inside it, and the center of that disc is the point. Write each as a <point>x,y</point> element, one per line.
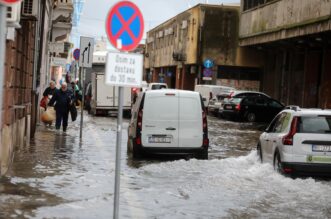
<point>59,176</point>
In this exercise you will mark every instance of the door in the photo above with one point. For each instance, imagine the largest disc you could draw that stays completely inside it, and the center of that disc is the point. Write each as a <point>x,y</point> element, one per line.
<point>269,138</point>
<point>190,121</point>
<point>160,120</point>
<point>261,109</point>
<point>274,107</point>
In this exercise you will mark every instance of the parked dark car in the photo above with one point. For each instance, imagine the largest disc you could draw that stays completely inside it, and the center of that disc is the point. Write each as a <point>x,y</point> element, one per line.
<point>252,109</point>
<point>237,94</point>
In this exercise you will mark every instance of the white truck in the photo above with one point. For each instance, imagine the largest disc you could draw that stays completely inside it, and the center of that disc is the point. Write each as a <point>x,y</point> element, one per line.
<point>104,99</point>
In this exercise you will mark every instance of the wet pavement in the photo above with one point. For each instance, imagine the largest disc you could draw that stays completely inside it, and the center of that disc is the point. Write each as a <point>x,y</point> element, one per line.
<point>59,176</point>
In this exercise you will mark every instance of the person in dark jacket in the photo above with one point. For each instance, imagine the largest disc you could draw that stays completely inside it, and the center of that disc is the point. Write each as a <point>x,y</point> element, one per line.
<point>50,90</point>
<point>62,98</point>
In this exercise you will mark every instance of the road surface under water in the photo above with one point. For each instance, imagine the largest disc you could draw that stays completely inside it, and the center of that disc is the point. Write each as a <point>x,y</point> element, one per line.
<point>59,176</point>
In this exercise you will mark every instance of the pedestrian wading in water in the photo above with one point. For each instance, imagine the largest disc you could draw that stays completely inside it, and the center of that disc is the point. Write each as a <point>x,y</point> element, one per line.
<point>63,99</point>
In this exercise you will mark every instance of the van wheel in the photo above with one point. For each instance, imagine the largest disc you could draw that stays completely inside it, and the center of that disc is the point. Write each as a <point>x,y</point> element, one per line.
<point>259,151</point>
<point>278,163</point>
<point>251,117</point>
<point>202,155</point>
<point>136,153</point>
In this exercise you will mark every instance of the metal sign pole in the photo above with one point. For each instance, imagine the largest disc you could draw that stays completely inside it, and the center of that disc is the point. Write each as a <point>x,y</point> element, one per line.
<point>3,29</point>
<point>118,152</point>
<point>82,105</point>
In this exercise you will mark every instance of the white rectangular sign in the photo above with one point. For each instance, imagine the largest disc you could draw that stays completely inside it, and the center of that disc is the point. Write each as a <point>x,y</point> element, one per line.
<point>124,69</point>
<point>55,61</point>
<point>86,52</point>
<point>56,47</point>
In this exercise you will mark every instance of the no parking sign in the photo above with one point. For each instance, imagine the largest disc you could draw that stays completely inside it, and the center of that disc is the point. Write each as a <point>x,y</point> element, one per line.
<point>9,2</point>
<point>125,26</point>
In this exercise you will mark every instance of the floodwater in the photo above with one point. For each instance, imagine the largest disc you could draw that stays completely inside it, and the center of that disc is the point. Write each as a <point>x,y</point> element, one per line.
<point>59,176</point>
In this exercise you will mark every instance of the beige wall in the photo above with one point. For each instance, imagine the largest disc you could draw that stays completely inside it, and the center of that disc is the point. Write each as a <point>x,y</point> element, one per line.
<point>173,37</point>
<point>283,14</point>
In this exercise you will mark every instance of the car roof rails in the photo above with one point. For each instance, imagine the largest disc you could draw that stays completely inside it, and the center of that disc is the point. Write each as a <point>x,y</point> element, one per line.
<point>293,107</point>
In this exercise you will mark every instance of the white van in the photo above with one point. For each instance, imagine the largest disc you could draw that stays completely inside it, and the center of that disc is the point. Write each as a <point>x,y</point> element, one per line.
<point>168,122</point>
<point>209,92</point>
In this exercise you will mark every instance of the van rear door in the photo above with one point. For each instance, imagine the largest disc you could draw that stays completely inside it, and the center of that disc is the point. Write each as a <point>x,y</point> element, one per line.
<point>190,120</point>
<point>104,94</point>
<point>160,119</point>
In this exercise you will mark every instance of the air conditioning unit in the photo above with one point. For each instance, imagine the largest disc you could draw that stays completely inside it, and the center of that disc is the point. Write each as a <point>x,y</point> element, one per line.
<point>184,24</point>
<point>14,14</point>
<point>30,8</point>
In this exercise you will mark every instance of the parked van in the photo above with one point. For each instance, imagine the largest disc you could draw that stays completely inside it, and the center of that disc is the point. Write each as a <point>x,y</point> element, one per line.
<point>209,92</point>
<point>168,122</point>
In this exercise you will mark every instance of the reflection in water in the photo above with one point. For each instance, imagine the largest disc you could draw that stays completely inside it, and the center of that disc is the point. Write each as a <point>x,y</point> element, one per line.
<point>21,199</point>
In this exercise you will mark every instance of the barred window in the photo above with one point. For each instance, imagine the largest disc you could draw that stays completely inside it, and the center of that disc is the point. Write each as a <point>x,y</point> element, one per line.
<point>249,4</point>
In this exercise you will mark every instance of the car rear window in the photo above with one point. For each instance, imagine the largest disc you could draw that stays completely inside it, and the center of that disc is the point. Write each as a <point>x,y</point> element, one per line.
<point>234,100</point>
<point>158,86</point>
<point>318,125</point>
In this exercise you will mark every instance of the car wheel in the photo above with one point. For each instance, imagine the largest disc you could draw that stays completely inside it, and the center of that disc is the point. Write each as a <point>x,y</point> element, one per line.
<point>259,151</point>
<point>251,117</point>
<point>202,155</point>
<point>278,163</point>
<point>136,153</point>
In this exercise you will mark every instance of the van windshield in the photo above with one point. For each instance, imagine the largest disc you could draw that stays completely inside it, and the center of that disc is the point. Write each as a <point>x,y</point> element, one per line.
<point>318,125</point>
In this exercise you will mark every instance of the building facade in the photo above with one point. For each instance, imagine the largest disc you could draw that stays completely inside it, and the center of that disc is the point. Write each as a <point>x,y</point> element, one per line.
<point>177,49</point>
<point>295,38</point>
<point>30,27</point>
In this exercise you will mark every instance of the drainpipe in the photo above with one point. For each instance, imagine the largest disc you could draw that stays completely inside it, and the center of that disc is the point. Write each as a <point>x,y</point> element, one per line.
<point>41,42</point>
<point>36,54</point>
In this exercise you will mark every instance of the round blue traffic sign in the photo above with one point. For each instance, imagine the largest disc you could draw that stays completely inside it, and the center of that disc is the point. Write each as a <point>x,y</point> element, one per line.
<point>125,26</point>
<point>208,63</point>
<point>76,54</point>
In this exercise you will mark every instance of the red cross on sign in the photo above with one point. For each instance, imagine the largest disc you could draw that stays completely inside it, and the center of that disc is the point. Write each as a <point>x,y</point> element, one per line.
<point>125,26</point>
<point>9,2</point>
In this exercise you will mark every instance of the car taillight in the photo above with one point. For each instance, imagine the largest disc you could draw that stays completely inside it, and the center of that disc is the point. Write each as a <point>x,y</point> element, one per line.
<point>288,139</point>
<point>138,140</point>
<point>205,141</point>
<point>139,127</point>
<point>238,107</point>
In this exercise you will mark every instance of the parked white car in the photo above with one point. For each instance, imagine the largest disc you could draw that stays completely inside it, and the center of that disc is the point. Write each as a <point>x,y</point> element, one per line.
<point>168,122</point>
<point>298,142</point>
